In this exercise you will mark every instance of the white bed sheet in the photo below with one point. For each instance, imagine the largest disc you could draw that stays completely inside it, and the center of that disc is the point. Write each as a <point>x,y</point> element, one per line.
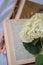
<point>5,9</point>
<point>3,60</point>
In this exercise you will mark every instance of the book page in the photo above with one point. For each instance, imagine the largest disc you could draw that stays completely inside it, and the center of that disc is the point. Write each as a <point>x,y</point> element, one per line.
<point>20,52</point>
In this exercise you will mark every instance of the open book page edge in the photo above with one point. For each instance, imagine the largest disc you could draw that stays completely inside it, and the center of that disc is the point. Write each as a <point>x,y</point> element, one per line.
<point>12,60</point>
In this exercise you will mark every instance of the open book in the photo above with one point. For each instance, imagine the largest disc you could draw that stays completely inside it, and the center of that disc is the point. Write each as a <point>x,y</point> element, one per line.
<point>16,52</point>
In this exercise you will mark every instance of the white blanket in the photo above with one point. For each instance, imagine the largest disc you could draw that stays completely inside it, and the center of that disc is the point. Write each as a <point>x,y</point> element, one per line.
<point>38,1</point>
<point>3,59</point>
<point>5,9</point>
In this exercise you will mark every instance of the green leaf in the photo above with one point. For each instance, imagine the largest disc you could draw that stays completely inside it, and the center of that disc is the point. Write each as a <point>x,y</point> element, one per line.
<point>34,49</point>
<point>39,59</point>
<point>35,41</point>
<point>41,39</point>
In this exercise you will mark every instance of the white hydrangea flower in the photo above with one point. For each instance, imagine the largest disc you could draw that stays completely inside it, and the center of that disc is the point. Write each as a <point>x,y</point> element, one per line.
<point>33,28</point>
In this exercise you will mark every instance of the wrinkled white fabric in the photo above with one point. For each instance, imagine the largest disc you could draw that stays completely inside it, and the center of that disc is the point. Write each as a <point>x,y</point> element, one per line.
<point>38,1</point>
<point>5,9</point>
<point>3,59</point>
